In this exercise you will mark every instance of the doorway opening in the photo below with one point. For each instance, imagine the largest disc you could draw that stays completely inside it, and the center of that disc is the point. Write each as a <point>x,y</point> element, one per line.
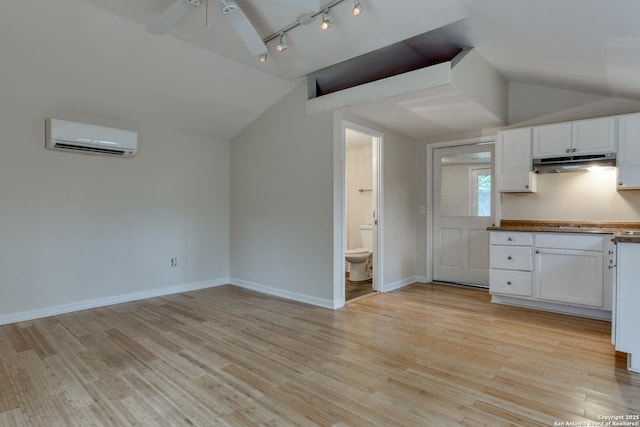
<point>361,223</point>
<point>463,208</point>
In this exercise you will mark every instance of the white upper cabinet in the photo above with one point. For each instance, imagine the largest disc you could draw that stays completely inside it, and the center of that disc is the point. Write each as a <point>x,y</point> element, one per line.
<point>552,140</point>
<point>595,136</point>
<point>628,159</point>
<point>513,161</point>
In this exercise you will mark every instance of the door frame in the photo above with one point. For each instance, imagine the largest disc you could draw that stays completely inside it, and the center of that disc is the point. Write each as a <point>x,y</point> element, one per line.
<point>339,197</point>
<point>430,179</point>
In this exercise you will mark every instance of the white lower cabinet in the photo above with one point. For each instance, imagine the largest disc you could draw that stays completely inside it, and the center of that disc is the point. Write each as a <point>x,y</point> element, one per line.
<point>626,314</point>
<point>570,276</point>
<point>569,272</point>
<point>569,268</point>
<point>510,262</point>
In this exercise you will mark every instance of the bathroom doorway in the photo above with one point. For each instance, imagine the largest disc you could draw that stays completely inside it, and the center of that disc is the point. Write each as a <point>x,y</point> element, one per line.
<point>361,211</point>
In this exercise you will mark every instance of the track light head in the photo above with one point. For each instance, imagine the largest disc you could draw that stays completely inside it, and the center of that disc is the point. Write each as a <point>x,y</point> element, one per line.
<point>357,8</point>
<point>263,57</point>
<point>326,20</point>
<point>282,45</point>
<point>228,6</point>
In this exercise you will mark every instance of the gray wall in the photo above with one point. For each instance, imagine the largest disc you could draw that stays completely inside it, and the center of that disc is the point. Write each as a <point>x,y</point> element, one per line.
<point>399,210</point>
<point>281,202</point>
<point>77,228</point>
<point>282,227</point>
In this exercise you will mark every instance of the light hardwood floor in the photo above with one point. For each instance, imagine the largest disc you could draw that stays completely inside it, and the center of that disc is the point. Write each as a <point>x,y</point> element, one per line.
<point>426,355</point>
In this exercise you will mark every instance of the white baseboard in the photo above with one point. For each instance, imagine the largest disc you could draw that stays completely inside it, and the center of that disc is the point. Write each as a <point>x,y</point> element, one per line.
<point>552,307</point>
<point>422,279</point>
<point>102,302</point>
<point>399,284</point>
<point>295,296</point>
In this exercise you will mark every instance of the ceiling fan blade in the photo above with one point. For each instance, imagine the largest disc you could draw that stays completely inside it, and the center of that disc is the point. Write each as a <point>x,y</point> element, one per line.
<point>245,29</point>
<point>310,5</point>
<point>171,16</point>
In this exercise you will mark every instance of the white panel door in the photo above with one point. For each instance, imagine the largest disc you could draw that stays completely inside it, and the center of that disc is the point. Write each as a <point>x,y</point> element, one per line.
<point>463,209</point>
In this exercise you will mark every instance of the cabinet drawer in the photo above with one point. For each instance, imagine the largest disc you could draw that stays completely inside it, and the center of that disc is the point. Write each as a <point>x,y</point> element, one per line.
<point>582,242</point>
<point>510,282</point>
<point>511,257</point>
<point>511,238</point>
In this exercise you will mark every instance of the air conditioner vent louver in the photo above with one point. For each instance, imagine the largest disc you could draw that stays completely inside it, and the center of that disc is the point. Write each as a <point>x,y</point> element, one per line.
<point>63,146</point>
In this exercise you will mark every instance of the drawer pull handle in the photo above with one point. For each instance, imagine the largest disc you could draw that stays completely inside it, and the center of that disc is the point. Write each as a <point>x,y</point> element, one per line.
<point>509,258</point>
<point>509,239</point>
<point>509,283</point>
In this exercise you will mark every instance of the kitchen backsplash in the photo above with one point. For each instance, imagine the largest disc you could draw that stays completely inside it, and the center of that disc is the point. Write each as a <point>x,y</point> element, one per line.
<point>585,196</point>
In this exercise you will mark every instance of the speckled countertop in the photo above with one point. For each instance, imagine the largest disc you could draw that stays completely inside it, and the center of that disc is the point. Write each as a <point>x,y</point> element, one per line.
<point>621,231</point>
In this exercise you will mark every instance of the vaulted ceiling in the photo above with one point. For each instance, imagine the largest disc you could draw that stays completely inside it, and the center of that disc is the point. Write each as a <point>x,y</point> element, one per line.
<point>96,56</point>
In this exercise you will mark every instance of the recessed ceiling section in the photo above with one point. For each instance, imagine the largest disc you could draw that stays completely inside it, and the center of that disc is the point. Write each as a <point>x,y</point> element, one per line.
<point>412,54</point>
<point>460,95</point>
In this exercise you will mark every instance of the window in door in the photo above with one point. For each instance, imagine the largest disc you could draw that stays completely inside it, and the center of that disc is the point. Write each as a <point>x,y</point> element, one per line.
<point>481,191</point>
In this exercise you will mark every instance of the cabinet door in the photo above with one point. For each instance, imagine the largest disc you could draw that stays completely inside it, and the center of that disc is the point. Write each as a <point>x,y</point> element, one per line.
<point>513,161</point>
<point>569,276</point>
<point>552,141</point>
<point>594,136</point>
<point>627,315</point>
<point>628,159</point>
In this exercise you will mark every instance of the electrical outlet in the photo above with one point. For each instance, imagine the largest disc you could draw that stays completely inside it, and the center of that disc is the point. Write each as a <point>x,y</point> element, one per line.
<point>421,210</point>
<point>174,262</point>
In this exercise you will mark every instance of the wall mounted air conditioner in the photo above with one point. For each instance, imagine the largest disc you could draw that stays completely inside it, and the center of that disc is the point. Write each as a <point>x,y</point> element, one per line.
<point>89,139</point>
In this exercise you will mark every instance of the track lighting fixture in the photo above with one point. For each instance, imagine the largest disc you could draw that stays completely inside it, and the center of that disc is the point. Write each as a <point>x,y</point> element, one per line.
<point>357,8</point>
<point>263,57</point>
<point>282,45</point>
<point>326,20</point>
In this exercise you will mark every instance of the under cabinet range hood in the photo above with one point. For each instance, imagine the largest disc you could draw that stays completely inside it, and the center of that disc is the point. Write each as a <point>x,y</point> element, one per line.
<point>573,163</point>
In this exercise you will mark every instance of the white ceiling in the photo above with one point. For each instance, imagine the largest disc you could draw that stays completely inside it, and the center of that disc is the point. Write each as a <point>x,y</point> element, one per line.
<point>95,57</point>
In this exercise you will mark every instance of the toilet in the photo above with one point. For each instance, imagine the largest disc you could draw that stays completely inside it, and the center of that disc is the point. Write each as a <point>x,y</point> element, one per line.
<point>360,258</point>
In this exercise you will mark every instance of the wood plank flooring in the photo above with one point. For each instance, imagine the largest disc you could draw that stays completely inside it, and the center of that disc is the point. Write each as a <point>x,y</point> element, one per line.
<point>353,290</point>
<point>426,355</point>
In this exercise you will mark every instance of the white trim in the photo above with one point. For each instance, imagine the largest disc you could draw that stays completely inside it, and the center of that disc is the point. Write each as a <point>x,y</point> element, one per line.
<point>294,296</point>
<point>339,241</point>
<point>399,284</point>
<point>429,214</point>
<point>102,302</point>
<point>421,279</point>
<point>339,226</point>
<point>552,307</point>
